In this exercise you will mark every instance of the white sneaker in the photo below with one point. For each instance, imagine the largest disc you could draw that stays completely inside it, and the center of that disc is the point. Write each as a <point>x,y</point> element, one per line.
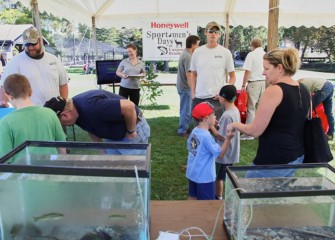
<point>246,137</point>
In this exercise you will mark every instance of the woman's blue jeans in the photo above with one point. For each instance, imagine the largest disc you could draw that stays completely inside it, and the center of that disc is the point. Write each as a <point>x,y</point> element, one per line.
<point>285,172</point>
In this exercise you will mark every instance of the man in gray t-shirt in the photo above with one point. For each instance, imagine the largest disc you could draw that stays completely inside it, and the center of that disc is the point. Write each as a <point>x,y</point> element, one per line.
<point>183,87</point>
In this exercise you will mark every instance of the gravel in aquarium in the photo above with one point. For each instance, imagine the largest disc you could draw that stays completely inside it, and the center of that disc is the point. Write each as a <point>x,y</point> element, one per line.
<point>116,232</point>
<point>305,233</point>
<point>284,184</point>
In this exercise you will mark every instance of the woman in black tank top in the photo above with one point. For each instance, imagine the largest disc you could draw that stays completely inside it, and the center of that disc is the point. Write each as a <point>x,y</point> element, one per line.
<point>280,116</point>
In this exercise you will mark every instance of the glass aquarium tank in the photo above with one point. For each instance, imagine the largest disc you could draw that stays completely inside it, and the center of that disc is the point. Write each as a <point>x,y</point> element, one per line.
<point>298,207</point>
<point>75,190</point>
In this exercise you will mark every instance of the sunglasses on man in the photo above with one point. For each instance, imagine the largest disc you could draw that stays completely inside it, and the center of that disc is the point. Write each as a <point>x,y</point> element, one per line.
<point>30,44</point>
<point>213,31</point>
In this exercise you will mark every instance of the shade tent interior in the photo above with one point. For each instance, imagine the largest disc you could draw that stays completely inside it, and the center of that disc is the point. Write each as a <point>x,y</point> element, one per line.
<point>134,13</point>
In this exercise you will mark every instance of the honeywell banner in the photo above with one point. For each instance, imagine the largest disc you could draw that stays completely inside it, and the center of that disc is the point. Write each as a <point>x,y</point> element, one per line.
<point>165,40</point>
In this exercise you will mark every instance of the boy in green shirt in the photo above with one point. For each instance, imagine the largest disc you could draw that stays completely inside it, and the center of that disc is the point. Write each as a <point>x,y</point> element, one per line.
<point>27,122</point>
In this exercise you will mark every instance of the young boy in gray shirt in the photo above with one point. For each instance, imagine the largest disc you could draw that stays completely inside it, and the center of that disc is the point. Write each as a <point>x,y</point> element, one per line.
<point>231,114</point>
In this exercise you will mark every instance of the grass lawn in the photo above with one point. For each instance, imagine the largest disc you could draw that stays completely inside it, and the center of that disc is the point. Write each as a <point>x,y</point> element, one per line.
<point>169,151</point>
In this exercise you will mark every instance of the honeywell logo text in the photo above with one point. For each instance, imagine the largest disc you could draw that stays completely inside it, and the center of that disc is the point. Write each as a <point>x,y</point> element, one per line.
<point>169,25</point>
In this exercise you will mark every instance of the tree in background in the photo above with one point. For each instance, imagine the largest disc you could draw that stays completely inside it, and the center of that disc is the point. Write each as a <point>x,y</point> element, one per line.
<point>240,38</point>
<point>302,37</point>
<point>85,30</point>
<point>237,39</point>
<point>325,41</point>
<point>53,26</point>
<point>133,36</point>
<point>121,37</point>
<point>105,35</point>
<point>15,16</point>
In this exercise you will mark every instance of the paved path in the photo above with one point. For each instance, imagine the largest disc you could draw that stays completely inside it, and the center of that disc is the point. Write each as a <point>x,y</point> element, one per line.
<point>80,83</point>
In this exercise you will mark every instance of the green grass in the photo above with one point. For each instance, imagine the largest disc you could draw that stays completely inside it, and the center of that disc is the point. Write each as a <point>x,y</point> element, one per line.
<point>75,70</point>
<point>155,107</point>
<point>168,154</point>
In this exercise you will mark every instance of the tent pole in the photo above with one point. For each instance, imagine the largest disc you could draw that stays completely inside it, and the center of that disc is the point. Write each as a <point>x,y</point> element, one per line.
<point>273,24</point>
<point>226,44</point>
<point>95,37</point>
<point>95,41</point>
<point>36,16</point>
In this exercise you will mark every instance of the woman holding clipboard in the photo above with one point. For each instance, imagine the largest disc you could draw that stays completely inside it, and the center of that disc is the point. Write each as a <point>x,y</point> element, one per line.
<point>131,70</point>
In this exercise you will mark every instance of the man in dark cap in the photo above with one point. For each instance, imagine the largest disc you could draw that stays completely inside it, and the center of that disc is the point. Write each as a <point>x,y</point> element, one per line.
<point>104,115</point>
<point>231,114</point>
<point>45,72</point>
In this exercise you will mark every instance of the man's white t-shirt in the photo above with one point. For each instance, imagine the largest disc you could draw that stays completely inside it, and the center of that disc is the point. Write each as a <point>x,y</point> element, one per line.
<point>211,65</point>
<point>45,75</point>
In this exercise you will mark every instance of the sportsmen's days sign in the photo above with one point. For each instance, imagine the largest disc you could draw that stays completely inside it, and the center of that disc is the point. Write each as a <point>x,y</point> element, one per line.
<point>165,40</point>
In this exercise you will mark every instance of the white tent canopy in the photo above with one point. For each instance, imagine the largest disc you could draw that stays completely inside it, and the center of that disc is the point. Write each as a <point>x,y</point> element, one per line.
<point>133,13</point>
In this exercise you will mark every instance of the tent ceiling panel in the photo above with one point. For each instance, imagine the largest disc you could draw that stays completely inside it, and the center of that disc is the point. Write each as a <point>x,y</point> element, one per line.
<point>134,13</point>
<point>12,32</point>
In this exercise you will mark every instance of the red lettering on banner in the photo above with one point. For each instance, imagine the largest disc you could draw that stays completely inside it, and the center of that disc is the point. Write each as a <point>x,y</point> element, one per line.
<point>169,25</point>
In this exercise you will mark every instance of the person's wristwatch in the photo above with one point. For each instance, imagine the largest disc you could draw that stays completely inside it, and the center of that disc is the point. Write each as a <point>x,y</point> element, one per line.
<point>130,132</point>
